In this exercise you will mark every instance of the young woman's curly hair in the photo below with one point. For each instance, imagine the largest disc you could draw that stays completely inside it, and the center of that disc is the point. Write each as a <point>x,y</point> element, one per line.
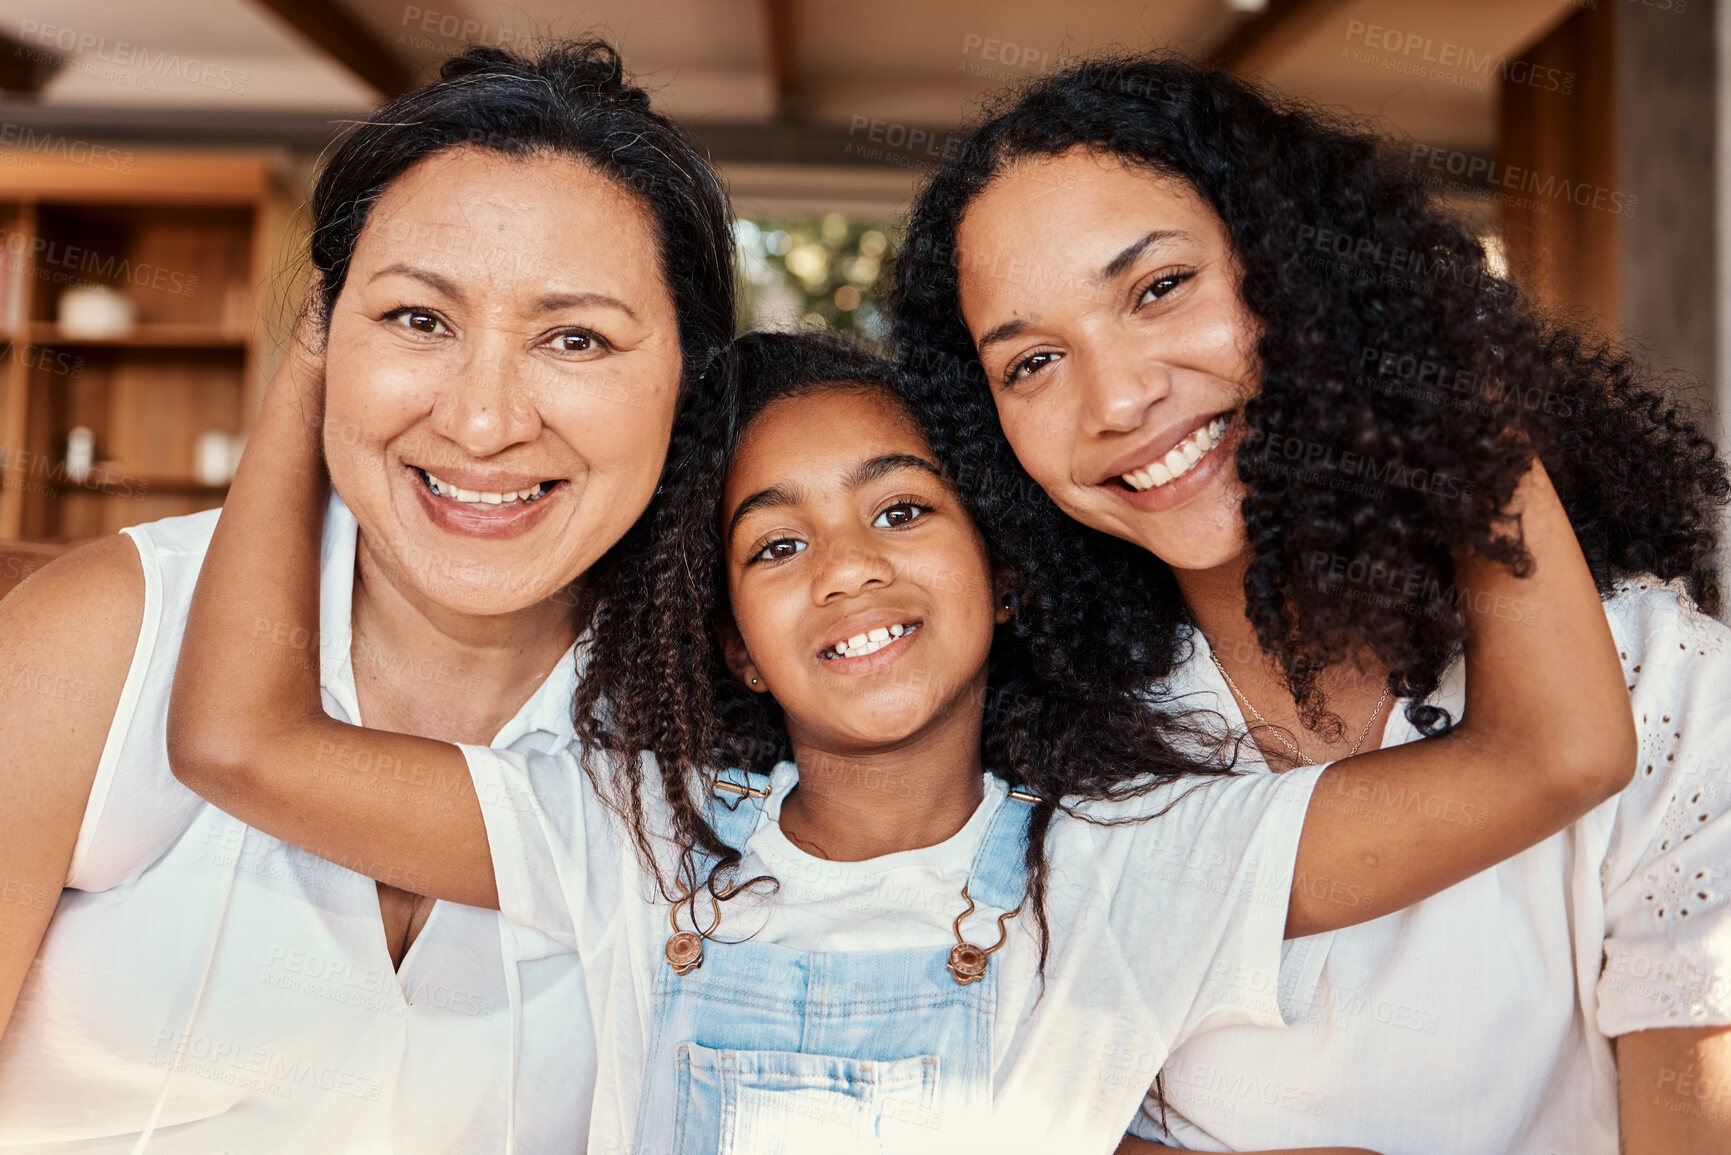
<point>1403,388</point>
<point>1059,739</point>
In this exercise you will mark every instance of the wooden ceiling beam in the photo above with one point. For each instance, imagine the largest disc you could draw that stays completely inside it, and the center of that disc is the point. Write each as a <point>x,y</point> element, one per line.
<point>1266,37</point>
<point>335,31</point>
<point>783,61</point>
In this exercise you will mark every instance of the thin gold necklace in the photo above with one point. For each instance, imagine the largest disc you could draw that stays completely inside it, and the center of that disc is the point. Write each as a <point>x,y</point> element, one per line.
<point>1303,758</point>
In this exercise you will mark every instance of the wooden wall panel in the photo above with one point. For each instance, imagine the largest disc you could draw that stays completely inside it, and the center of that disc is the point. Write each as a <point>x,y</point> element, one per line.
<point>1566,144</point>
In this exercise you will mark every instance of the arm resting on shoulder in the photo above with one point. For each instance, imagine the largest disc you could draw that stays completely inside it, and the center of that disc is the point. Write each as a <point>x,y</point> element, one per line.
<point>1675,1091</point>
<point>247,727</point>
<point>1547,734</point>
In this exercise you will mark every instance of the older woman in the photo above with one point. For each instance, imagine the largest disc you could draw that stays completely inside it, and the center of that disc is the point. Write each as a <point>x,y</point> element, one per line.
<point>1131,289</point>
<point>521,275</point>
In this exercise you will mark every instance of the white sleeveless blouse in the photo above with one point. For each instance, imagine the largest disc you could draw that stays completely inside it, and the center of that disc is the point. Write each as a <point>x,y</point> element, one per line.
<point>204,988</point>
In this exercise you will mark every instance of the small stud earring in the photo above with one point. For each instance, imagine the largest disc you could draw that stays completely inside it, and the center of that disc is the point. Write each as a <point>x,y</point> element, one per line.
<point>754,681</point>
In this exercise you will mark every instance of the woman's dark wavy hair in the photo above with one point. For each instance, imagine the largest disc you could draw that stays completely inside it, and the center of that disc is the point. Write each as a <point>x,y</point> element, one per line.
<point>1439,384</point>
<point>1061,740</point>
<point>572,100</point>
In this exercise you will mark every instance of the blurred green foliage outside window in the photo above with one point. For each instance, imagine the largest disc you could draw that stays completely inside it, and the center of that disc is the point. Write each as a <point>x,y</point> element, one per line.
<point>808,272</point>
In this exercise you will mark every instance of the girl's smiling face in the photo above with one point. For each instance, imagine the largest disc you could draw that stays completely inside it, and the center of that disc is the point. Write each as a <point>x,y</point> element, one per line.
<point>861,589</point>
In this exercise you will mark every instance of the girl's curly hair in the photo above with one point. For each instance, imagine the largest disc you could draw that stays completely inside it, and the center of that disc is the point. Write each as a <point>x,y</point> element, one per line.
<point>1404,387</point>
<point>1059,737</point>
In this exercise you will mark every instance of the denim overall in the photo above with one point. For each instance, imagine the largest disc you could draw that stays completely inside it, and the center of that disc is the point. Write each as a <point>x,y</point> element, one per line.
<point>765,1050</point>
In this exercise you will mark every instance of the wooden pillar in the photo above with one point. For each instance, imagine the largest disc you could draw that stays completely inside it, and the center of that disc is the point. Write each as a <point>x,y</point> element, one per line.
<point>1562,219</point>
<point>1666,86</point>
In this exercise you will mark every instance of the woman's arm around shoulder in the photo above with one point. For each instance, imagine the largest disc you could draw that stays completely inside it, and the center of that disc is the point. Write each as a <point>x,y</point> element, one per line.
<point>247,728</point>
<point>1675,1090</point>
<point>67,636</point>
<point>1546,735</point>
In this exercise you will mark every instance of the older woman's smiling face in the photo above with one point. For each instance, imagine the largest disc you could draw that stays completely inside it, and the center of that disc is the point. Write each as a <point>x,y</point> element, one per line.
<point>1103,299</point>
<point>502,368</point>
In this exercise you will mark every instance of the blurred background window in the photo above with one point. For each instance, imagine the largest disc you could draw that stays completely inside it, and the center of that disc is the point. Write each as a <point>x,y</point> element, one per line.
<point>801,272</point>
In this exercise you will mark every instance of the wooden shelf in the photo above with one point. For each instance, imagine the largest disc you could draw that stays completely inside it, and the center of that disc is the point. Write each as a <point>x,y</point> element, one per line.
<point>179,485</point>
<point>143,336</point>
<point>189,239</point>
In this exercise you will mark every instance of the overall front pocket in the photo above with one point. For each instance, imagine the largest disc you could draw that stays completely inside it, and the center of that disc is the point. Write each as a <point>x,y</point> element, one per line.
<point>784,1103</point>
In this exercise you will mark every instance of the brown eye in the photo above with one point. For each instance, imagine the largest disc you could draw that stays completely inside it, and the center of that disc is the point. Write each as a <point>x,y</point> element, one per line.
<point>423,322</point>
<point>900,514</point>
<point>575,343</point>
<point>1162,285</point>
<point>1028,366</point>
<point>780,549</point>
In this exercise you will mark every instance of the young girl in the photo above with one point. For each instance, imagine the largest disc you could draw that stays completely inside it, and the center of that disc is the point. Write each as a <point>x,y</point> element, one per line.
<point>886,942</point>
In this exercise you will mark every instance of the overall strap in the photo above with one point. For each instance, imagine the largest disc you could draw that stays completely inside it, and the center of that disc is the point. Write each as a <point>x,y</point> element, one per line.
<point>735,804</point>
<point>1000,876</point>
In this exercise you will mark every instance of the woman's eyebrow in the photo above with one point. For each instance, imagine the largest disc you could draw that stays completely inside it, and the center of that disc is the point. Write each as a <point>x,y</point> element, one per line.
<point>1135,249</point>
<point>426,276</point>
<point>1005,332</point>
<point>549,302</point>
<point>1125,258</point>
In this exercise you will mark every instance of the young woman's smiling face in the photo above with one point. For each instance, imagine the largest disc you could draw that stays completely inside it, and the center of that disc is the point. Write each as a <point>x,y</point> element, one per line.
<point>860,587</point>
<point>502,368</point>
<point>1103,299</point>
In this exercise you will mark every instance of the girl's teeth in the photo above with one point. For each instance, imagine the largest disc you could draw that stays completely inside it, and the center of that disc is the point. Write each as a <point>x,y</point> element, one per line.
<point>869,642</point>
<point>482,497</point>
<point>1180,458</point>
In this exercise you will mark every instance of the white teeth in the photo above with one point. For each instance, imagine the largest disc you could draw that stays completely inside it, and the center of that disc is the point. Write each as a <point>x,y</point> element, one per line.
<point>1180,459</point>
<point>483,497</point>
<point>869,642</point>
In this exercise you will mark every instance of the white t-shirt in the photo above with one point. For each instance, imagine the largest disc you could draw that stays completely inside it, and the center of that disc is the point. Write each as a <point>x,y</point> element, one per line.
<point>1149,922</point>
<point>1479,1020</point>
<point>239,989</point>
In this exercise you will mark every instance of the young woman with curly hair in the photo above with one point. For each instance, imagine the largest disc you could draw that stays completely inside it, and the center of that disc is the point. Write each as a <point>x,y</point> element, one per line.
<point>868,912</point>
<point>1275,389</point>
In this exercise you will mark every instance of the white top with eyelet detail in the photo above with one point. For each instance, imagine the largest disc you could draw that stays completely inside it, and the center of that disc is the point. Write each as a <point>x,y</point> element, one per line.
<point>205,988</point>
<point>1480,1020</point>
